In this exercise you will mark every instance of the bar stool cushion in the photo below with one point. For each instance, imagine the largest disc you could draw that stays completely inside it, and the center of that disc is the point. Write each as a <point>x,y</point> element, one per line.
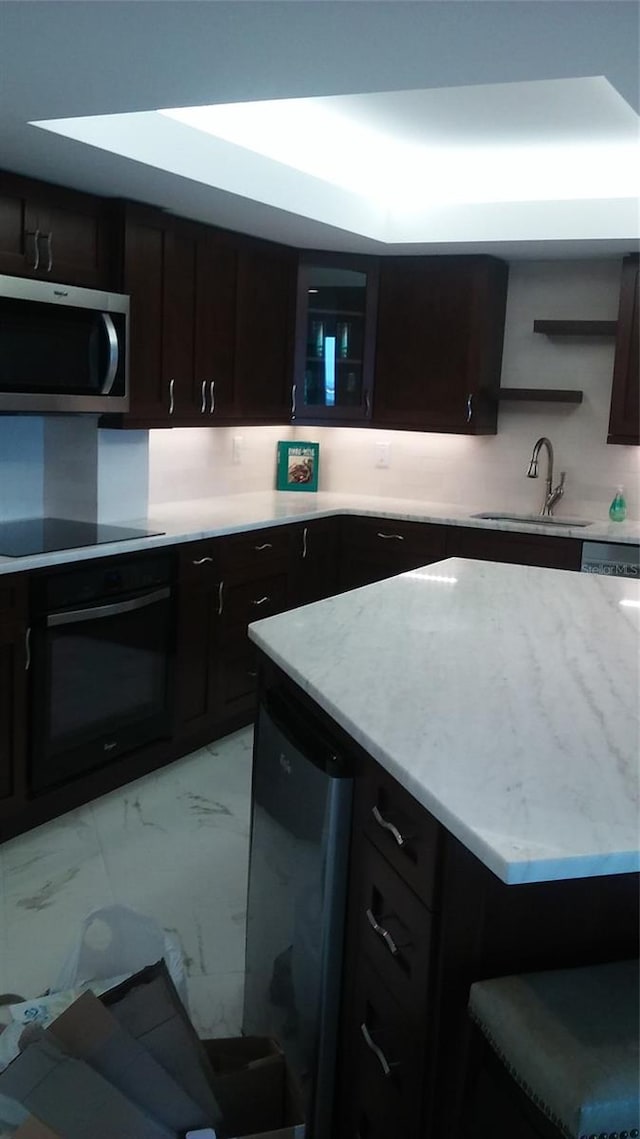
<point>569,1038</point>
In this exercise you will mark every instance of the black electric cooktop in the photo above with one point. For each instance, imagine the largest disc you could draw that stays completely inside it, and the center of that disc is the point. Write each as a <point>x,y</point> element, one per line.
<point>41,535</point>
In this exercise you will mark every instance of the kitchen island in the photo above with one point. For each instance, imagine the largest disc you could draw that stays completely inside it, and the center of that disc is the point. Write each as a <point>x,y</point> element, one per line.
<point>493,711</point>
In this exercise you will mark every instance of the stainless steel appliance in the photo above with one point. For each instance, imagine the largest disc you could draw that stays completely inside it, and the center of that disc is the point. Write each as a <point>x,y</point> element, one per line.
<point>300,829</point>
<point>100,654</point>
<point>62,348</point>
<point>611,558</point>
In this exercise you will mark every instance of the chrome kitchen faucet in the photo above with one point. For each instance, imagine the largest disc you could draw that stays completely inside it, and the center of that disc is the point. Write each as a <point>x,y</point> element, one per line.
<point>553,494</point>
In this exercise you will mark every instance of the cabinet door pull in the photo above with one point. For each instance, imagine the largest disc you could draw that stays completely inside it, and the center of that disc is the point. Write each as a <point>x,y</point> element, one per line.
<point>367,404</point>
<point>398,537</point>
<point>201,561</point>
<point>36,250</point>
<point>377,1051</point>
<point>220,598</point>
<point>387,826</point>
<point>203,397</point>
<point>293,401</point>
<point>212,396</point>
<point>304,542</point>
<point>261,600</point>
<point>252,673</point>
<point>27,650</point>
<point>171,400</point>
<point>469,407</point>
<point>264,546</point>
<point>49,251</point>
<point>382,932</point>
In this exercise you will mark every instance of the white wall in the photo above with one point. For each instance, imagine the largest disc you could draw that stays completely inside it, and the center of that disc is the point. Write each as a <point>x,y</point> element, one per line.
<point>478,472</point>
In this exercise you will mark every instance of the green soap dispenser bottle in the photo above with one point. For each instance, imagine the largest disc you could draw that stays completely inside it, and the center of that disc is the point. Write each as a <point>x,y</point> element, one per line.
<point>618,508</point>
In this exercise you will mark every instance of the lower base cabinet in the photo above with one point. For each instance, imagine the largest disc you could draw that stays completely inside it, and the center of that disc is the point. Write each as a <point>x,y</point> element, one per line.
<point>14,661</point>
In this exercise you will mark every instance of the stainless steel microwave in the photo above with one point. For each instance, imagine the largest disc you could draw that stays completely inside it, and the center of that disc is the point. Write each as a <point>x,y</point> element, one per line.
<point>62,348</point>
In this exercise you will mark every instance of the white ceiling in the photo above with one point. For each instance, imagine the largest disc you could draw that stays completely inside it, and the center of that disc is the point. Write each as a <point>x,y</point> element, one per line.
<point>428,74</point>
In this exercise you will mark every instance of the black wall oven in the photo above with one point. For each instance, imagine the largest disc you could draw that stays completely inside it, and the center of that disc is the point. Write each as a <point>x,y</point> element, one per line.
<point>102,649</point>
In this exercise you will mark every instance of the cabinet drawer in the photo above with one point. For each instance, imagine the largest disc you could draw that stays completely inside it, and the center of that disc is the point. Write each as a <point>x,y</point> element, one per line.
<point>251,600</point>
<point>394,929</point>
<point>383,1070</point>
<point>199,562</point>
<point>257,551</point>
<point>375,548</point>
<point>402,830</point>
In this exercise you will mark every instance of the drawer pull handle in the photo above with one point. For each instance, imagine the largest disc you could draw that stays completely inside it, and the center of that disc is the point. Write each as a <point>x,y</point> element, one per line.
<point>387,826</point>
<point>201,561</point>
<point>398,537</point>
<point>377,1051</point>
<point>260,600</point>
<point>251,673</point>
<point>383,933</point>
<point>264,546</point>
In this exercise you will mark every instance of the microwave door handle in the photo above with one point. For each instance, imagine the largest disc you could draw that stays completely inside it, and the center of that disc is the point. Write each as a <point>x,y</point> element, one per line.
<point>92,613</point>
<point>114,352</point>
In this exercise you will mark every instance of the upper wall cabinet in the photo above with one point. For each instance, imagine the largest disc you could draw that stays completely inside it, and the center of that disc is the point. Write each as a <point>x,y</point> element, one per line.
<point>265,315</point>
<point>51,233</point>
<point>335,330</point>
<point>624,423</point>
<point>439,343</point>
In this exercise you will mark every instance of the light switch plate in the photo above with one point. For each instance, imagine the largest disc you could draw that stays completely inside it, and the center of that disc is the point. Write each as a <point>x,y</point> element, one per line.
<point>382,452</point>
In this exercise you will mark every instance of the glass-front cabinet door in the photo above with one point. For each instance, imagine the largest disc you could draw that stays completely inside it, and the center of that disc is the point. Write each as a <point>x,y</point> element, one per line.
<point>335,329</point>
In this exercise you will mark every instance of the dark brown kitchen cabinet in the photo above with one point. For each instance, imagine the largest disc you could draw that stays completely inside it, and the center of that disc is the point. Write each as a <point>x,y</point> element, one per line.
<point>14,662</point>
<point>375,548</point>
<point>197,647</point>
<point>624,422</point>
<point>520,549</point>
<point>335,339</point>
<point>52,233</point>
<point>265,316</point>
<point>439,343</point>
<point>314,560</point>
<point>214,398</point>
<point>139,271</point>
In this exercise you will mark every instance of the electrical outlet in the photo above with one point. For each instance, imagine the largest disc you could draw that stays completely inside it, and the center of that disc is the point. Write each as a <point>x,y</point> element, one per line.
<point>382,452</point>
<point>236,449</point>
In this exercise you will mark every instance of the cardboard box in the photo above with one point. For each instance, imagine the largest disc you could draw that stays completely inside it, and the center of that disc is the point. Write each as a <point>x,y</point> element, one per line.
<point>257,1094</point>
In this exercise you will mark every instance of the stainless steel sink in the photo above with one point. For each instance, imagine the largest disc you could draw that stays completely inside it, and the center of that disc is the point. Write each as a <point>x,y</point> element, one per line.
<point>532,519</point>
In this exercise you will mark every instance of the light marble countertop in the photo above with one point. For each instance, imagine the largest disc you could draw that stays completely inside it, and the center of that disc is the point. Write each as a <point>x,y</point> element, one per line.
<point>504,698</point>
<point>213,517</point>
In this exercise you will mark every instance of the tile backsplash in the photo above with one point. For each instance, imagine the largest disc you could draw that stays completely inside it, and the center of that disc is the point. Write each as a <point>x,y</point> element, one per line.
<point>485,472</point>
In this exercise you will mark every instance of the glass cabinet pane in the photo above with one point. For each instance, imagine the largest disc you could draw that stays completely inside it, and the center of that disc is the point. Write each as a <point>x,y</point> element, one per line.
<point>335,337</point>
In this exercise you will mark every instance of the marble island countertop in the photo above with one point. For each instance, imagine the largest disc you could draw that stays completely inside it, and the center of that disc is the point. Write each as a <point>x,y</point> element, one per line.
<point>503,698</point>
<point>214,517</point>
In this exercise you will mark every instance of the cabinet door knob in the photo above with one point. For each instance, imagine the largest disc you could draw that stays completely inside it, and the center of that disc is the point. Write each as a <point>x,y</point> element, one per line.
<point>387,826</point>
<point>382,933</point>
<point>171,399</point>
<point>376,1049</point>
<point>201,561</point>
<point>203,397</point>
<point>398,537</point>
<point>212,396</point>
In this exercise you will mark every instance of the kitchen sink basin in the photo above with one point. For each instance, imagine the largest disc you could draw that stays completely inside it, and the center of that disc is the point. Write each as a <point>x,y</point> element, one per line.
<point>532,519</point>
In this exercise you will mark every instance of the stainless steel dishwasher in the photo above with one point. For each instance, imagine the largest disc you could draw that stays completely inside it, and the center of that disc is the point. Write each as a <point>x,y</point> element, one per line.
<point>300,831</point>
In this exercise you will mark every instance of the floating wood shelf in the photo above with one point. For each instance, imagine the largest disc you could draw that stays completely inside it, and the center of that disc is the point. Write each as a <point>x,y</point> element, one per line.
<point>550,395</point>
<point>576,327</point>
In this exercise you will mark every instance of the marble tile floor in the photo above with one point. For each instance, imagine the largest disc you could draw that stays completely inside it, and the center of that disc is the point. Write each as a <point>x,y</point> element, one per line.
<point>173,845</point>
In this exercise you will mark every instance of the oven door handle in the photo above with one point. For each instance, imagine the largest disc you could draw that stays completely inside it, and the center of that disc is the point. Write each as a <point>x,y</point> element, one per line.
<point>74,616</point>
